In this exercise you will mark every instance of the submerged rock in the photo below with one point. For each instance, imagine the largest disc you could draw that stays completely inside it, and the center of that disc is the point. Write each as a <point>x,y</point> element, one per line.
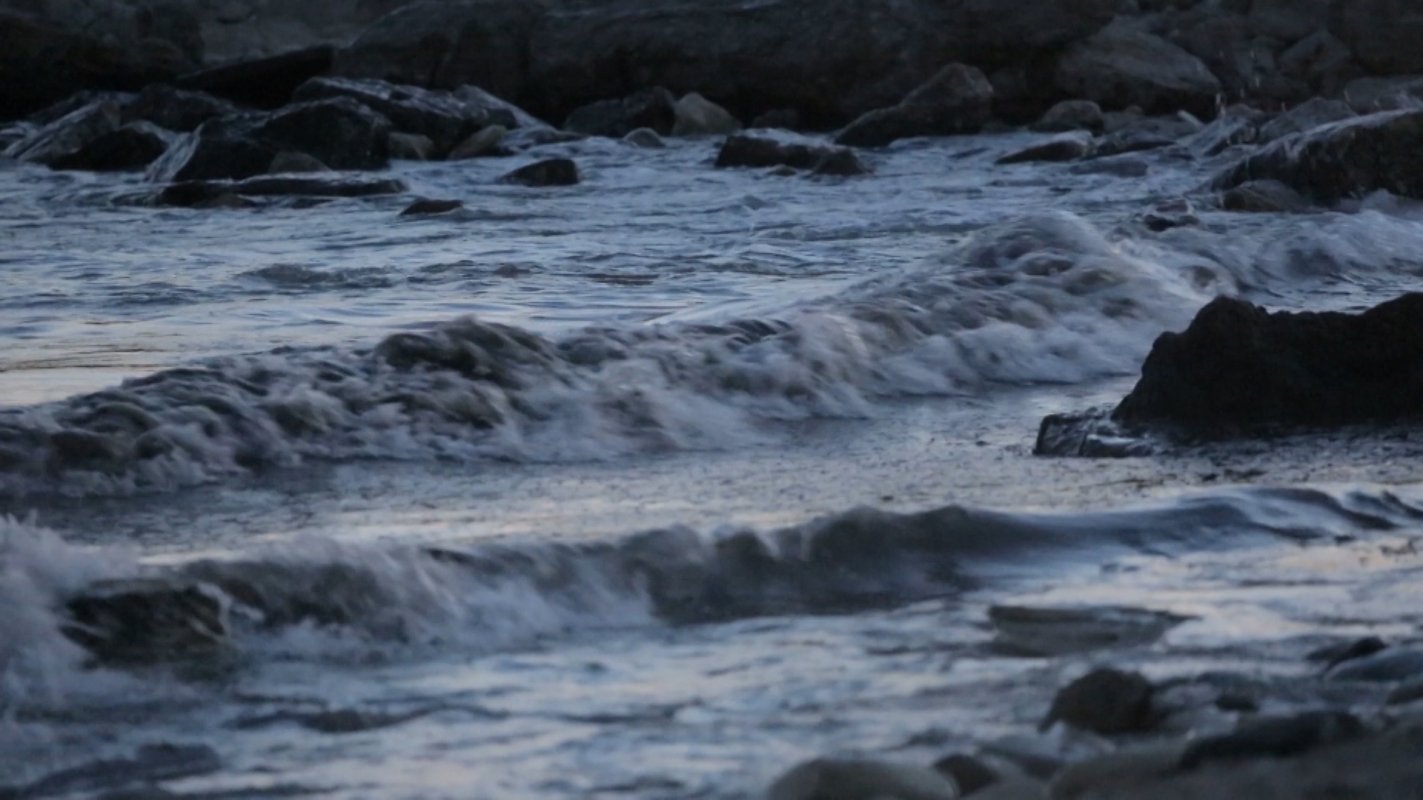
<point>1105,701</point>
<point>426,206</point>
<point>856,779</point>
<point>1068,146</point>
<point>1392,665</point>
<point>645,138</point>
<point>958,99</point>
<point>202,193</point>
<point>1045,631</point>
<point>1263,197</point>
<point>132,147</point>
<point>139,621</point>
<point>549,172</point>
<point>747,150</point>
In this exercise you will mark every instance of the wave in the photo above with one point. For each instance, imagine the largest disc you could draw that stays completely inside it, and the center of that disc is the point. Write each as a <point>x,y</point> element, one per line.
<point>1042,299</point>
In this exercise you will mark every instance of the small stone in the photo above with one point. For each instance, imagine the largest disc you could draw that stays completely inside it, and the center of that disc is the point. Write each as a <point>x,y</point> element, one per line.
<point>856,779</point>
<point>549,172</point>
<point>696,116</point>
<point>1168,214</point>
<point>410,146</point>
<point>1105,701</point>
<point>1063,147</point>
<point>425,206</point>
<point>645,137</point>
<point>483,142</point>
<point>1071,115</point>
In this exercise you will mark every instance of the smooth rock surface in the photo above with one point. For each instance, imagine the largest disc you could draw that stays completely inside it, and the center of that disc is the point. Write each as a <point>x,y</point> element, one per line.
<point>958,99</point>
<point>1119,67</point>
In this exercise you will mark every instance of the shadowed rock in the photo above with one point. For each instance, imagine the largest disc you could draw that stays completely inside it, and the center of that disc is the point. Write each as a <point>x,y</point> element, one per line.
<point>853,779</point>
<point>1273,737</point>
<point>266,82</point>
<point>1068,146</point>
<point>444,118</point>
<point>64,138</point>
<point>200,193</point>
<point>958,99</point>
<point>139,622</point>
<point>1119,67</point>
<point>648,108</point>
<point>1045,632</point>
<point>549,172</point>
<point>746,150</point>
<point>1105,701</point>
<point>132,147</point>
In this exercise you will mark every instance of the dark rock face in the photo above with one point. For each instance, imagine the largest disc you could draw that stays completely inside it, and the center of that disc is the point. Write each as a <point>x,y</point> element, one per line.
<point>1068,146</point>
<point>426,206</point>
<point>745,150</point>
<point>134,622</point>
<point>132,147</point>
<point>1263,197</point>
<point>1277,737</point>
<point>1384,34</point>
<point>63,138</point>
<point>176,109</point>
<point>654,108</point>
<point>266,82</point>
<point>958,99</point>
<point>206,193</point>
<point>1071,115</point>
<point>1344,159</point>
<point>1119,67</point>
<point>549,172</point>
<point>1239,367</point>
<point>441,116</point>
<point>1105,701</point>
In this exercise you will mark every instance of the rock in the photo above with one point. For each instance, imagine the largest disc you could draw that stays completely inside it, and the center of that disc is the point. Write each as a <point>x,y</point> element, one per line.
<point>14,132</point>
<point>1127,766</point>
<point>968,773</point>
<point>498,109</point>
<point>1383,34</point>
<point>1174,213</point>
<point>1152,133</point>
<point>745,150</point>
<point>1369,95</point>
<point>1390,665</point>
<point>288,161</point>
<point>131,147</point>
<point>1105,701</point>
<point>1306,116</point>
<point>204,193</point>
<point>1043,756</point>
<point>1068,146</point>
<point>1239,367</point>
<point>522,139</point>
<point>1319,61</point>
<point>1120,167</point>
<point>1071,115</point>
<point>340,133</point>
<point>648,108</point>
<point>1014,789</point>
<point>1038,632</point>
<point>265,82</point>
<point>425,207</point>
<point>1407,692</point>
<point>409,146</point>
<point>1288,20</point>
<point>238,30</point>
<point>855,779</point>
<point>696,116</point>
<point>549,172</point>
<point>1344,159</point>
<point>1119,67</point>
<point>1276,737</point>
<point>1263,197</point>
<point>958,99</point>
<point>64,138</point>
<point>175,109</point>
<point>1236,125</point>
<point>480,143</point>
<point>1335,654</point>
<point>783,118</point>
<point>445,119</point>
<point>645,137</point>
<point>1242,61</point>
<point>131,622</point>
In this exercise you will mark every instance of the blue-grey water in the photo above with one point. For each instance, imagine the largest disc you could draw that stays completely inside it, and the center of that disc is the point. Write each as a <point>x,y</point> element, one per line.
<point>843,375</point>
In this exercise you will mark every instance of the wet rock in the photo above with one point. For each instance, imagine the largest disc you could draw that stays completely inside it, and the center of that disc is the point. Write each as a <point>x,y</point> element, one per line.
<point>1240,367</point>
<point>1119,67</point>
<point>549,172</point>
<point>840,164</point>
<point>747,150</point>
<point>150,763</point>
<point>1236,125</point>
<point>264,82</point>
<point>648,108</point>
<point>1071,115</point>
<point>288,161</point>
<point>1014,789</point>
<point>1390,665</point>
<point>175,109</point>
<point>1335,654</point>
<point>1174,213</point>
<point>409,146</point>
<point>1105,701</point>
<point>958,99</point>
<point>342,133</point>
<point>854,779</point>
<point>1287,20</point>
<point>14,132</point>
<point>1151,133</point>
<point>483,142</point>
<point>1344,159</point>
<point>1043,756</point>
<point>969,773</point>
<point>1319,61</point>
<point>1040,632</point>
<point>785,119</point>
<point>1263,197</point>
<point>1123,767</point>
<point>1092,434</point>
<point>444,118</point>
<point>696,116</point>
<point>132,147</point>
<point>497,109</point>
<point>1408,692</point>
<point>1277,737</point>
<point>140,621</point>
<point>1373,94</point>
<point>204,193</point>
<point>222,148</point>
<point>1383,34</point>
<point>645,137</point>
<point>425,207</point>
<point>64,138</point>
<point>1068,146</point>
<point>1306,116</point>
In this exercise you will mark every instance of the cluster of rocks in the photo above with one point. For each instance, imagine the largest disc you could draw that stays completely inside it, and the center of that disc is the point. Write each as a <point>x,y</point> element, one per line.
<point>1346,728</point>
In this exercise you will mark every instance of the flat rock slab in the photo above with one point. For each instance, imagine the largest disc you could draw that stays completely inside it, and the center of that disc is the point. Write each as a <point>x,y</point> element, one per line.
<point>1045,631</point>
<point>196,193</point>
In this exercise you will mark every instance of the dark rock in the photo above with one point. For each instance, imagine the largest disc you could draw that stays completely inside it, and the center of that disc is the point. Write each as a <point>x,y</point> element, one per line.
<point>1105,701</point>
<point>132,147</point>
<point>1068,146</point>
<point>1335,654</point>
<point>266,82</point>
<point>480,143</point>
<point>549,172</point>
<point>204,193</point>
<point>1406,692</point>
<point>1241,60</point>
<point>783,118</point>
<point>288,161</point>
<point>958,99</point>
<point>698,116</point>
<point>497,109</point>
<point>967,772</point>
<point>746,150</point>
<point>136,622</point>
<point>425,206</point>
<point>1071,115</point>
<point>68,135</point>
<point>1151,133</point>
<point>1091,434</point>
<point>1119,67</point>
<point>1174,213</point>
<point>645,137</point>
<point>342,133</point>
<point>649,108</point>
<point>1240,367</point>
<point>409,146</point>
<point>1236,125</point>
<point>1369,95</point>
<point>221,148</point>
<point>10,134</point>
<point>1120,167</point>
<point>1344,159</point>
<point>1278,737</point>
<point>1306,116</point>
<point>1288,20</point>
<point>441,116</point>
<point>1263,197</point>
<point>1319,61</point>
<point>841,164</point>
<point>1384,34</point>
<point>1041,632</point>
<point>1392,665</point>
<point>176,109</point>
<point>855,779</point>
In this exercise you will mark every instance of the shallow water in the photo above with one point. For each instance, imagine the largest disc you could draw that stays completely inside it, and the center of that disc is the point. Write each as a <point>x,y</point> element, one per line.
<point>693,354</point>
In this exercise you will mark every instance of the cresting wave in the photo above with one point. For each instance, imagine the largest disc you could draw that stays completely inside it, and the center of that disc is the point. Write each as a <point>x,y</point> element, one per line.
<point>1043,299</point>
<point>323,601</point>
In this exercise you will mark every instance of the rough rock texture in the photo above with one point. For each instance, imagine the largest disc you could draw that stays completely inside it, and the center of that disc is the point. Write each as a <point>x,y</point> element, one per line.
<point>61,139</point>
<point>958,99</point>
<point>1308,115</point>
<point>175,109</point>
<point>1238,366</point>
<point>1263,196</point>
<point>1071,115</point>
<point>135,621</point>
<point>1384,34</point>
<point>854,779</point>
<point>1345,159</point>
<point>745,150</point>
<point>443,117</point>
<point>1105,701</point>
<point>653,108</point>
<point>1119,67</point>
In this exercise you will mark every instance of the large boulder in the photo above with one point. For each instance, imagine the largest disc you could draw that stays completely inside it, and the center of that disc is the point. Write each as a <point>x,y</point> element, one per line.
<point>132,147</point>
<point>443,117</point>
<point>176,109</point>
<point>1239,366</point>
<point>1384,34</point>
<point>653,108</point>
<point>241,30</point>
<point>1344,159</point>
<point>61,139</point>
<point>1121,66</point>
<point>958,99</point>
<point>207,193</point>
<point>264,82</point>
